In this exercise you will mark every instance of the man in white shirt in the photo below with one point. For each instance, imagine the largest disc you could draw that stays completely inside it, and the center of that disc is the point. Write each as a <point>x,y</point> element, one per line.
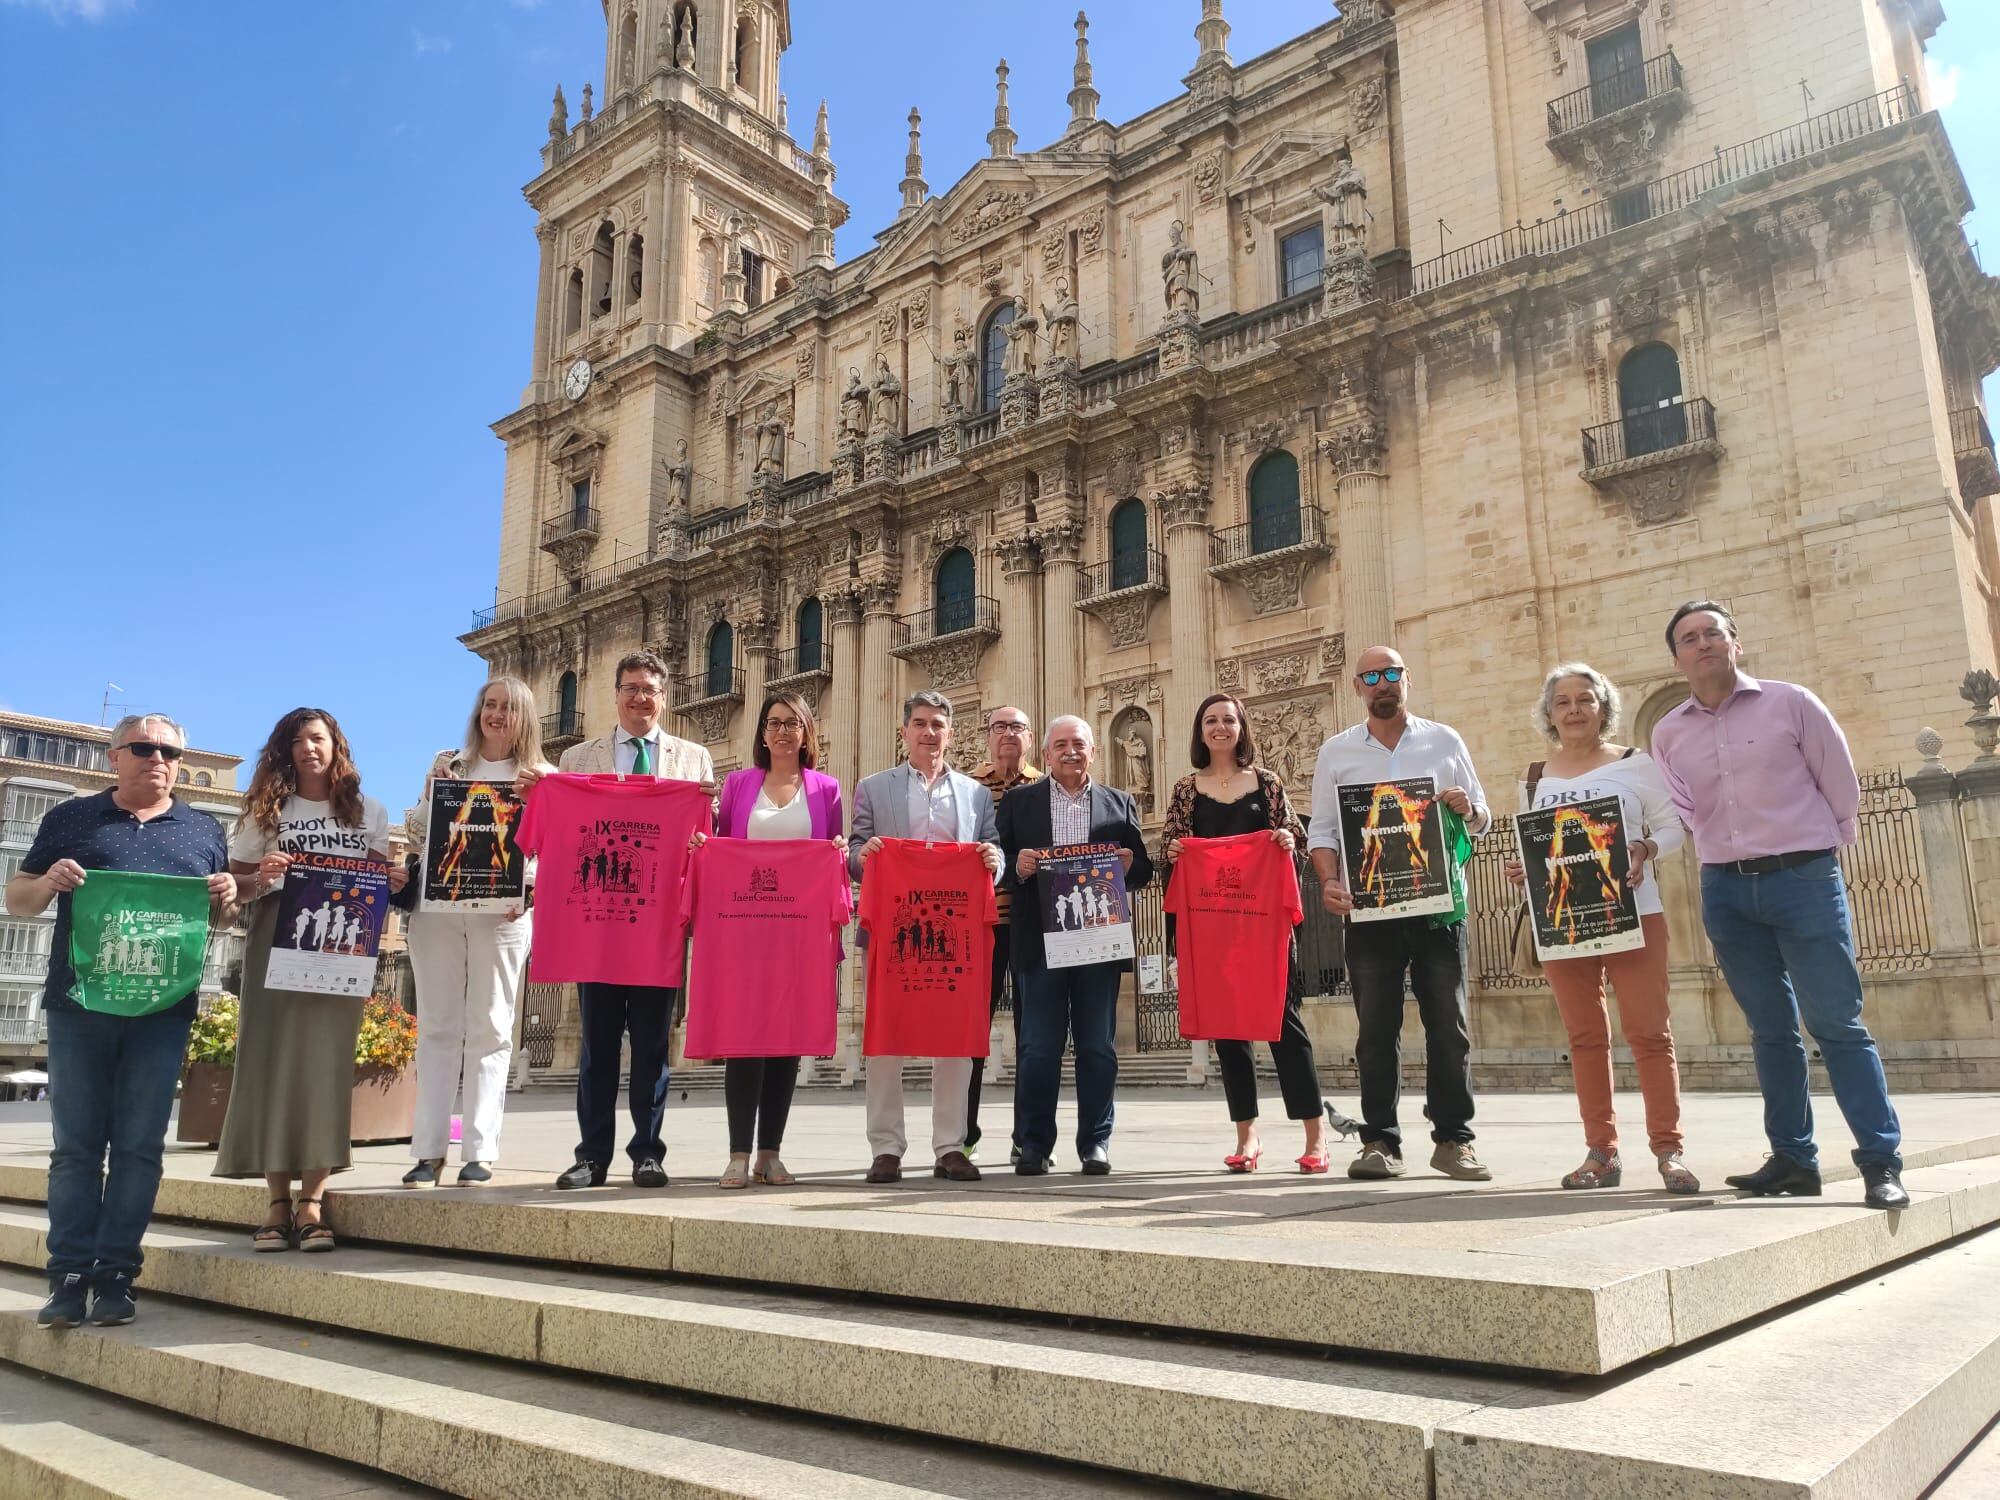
<point>1392,744</point>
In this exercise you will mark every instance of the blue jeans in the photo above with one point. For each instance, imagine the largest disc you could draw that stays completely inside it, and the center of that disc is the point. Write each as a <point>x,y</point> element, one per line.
<point>1787,949</point>
<point>111,1087</point>
<point>1053,1004</point>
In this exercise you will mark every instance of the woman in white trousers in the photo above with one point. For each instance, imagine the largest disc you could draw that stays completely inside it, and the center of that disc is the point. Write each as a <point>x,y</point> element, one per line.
<point>468,966</point>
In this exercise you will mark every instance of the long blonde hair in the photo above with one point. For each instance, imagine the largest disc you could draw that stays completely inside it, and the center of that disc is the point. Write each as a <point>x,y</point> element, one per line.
<point>527,726</point>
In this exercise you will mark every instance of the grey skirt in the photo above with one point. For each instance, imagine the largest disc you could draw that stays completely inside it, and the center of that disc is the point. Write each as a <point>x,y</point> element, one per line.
<point>291,1101</point>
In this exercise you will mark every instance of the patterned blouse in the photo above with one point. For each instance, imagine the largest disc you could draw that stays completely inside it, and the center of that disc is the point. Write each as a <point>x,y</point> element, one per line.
<point>1180,811</point>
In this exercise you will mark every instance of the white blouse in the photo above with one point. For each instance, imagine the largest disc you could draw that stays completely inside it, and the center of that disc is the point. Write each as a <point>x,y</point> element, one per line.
<point>1642,796</point>
<point>769,821</point>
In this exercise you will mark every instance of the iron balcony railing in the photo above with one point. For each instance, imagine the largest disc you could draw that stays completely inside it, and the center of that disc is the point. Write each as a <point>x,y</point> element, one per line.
<point>711,682</point>
<point>563,724</point>
<point>1304,527</point>
<point>1143,567</point>
<point>1613,92</point>
<point>19,830</point>
<point>952,616</point>
<point>582,522</point>
<point>1969,432</point>
<point>814,657</point>
<point>1660,429</point>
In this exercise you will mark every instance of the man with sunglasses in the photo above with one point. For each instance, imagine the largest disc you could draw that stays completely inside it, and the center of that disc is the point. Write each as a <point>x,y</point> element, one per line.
<point>111,1077</point>
<point>1390,744</point>
<point>1009,736</point>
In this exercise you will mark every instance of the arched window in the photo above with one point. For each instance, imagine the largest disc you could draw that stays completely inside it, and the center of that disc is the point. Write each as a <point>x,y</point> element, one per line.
<point>202,778</point>
<point>573,303</point>
<point>993,357</point>
<point>810,626</point>
<point>1128,545</point>
<point>635,268</point>
<point>721,661</point>
<point>952,597</point>
<point>566,720</point>
<point>746,54</point>
<point>1649,400</point>
<point>1274,503</point>
<point>600,271</point>
<point>685,15</point>
<point>628,49</point>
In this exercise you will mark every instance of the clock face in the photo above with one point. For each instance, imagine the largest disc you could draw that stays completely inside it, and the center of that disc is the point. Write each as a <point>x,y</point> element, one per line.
<point>576,380</point>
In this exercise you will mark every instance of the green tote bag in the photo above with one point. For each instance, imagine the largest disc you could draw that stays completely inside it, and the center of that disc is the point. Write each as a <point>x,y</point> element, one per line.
<point>136,941</point>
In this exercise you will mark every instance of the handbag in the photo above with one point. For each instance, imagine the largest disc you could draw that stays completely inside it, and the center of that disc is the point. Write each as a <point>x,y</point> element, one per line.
<point>1522,959</point>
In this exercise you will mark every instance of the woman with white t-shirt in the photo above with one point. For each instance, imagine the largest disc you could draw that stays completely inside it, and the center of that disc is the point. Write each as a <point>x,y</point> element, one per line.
<point>1577,712</point>
<point>468,965</point>
<point>291,1100</point>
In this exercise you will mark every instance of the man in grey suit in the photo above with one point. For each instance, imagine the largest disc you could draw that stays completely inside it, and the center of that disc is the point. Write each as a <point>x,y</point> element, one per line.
<point>921,799</point>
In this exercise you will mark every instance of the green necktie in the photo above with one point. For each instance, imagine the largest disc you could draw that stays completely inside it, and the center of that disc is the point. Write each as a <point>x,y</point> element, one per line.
<point>642,757</point>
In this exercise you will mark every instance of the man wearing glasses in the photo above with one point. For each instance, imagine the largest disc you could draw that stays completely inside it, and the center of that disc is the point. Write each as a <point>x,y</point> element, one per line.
<point>1008,738</point>
<point>1392,743</point>
<point>112,1077</point>
<point>610,1012</point>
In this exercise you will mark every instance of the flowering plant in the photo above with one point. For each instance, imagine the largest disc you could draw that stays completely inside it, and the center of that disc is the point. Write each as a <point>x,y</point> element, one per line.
<point>388,1037</point>
<point>212,1038</point>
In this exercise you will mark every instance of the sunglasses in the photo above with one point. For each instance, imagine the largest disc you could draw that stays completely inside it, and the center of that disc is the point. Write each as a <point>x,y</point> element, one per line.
<point>1387,674</point>
<point>146,750</point>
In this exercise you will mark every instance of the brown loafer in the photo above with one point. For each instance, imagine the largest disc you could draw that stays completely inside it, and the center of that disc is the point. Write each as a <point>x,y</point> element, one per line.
<point>957,1166</point>
<point>886,1169</point>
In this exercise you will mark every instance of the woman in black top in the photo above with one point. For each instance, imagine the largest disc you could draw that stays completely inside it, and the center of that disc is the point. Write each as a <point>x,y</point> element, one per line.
<point>1227,794</point>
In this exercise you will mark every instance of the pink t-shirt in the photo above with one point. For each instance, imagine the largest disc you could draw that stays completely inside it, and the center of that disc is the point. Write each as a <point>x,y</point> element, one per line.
<point>929,913</point>
<point>613,853</point>
<point>765,916</point>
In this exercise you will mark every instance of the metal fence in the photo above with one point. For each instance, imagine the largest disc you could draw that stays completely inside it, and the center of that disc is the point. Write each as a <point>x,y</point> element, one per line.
<point>541,1009</point>
<point>1884,871</point>
<point>1157,1017</point>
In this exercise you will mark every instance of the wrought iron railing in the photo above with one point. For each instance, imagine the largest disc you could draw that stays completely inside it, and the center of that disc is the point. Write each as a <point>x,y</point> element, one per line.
<point>563,724</point>
<point>709,683</point>
<point>504,609</point>
<point>19,830</point>
<point>1884,872</point>
<point>1491,902</point>
<point>802,661</point>
<point>952,616</point>
<point>1304,527</point>
<point>542,1009</point>
<point>579,522</point>
<point>1143,567</point>
<point>1156,1016</point>
<point>1969,432</point>
<point>1322,940</point>
<point>1659,429</point>
<point>1613,92</point>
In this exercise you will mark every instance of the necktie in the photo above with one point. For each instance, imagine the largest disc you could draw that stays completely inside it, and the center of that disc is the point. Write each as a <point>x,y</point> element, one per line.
<point>642,758</point>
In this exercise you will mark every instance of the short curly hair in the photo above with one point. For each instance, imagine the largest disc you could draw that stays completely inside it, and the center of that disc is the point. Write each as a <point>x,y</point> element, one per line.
<point>1604,687</point>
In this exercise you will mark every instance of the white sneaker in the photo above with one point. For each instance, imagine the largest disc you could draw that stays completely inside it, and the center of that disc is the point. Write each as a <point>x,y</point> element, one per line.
<point>1374,1162</point>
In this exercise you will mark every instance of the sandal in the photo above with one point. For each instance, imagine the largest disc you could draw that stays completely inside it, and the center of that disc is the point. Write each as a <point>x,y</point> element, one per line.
<point>772,1174</point>
<point>314,1236</point>
<point>736,1174</point>
<point>275,1236</point>
<point>1244,1161</point>
<point>1314,1162</point>
<point>1599,1170</point>
<point>1674,1172</point>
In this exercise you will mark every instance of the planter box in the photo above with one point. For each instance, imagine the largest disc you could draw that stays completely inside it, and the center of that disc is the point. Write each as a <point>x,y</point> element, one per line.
<point>384,1101</point>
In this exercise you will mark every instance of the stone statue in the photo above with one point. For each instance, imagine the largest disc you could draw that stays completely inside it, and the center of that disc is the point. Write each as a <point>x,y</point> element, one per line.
<point>1138,766</point>
<point>1347,196</point>
<point>771,436</point>
<point>680,482</point>
<point>1021,336</point>
<point>959,366</point>
<point>885,417</point>
<point>853,408</point>
<point>684,48</point>
<point>1181,267</point>
<point>1062,321</point>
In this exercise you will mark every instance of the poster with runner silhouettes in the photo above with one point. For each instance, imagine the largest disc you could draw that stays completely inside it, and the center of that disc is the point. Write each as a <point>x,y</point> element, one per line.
<point>330,915</point>
<point>472,862</point>
<point>1085,916</point>
<point>1579,879</point>
<point>1392,844</point>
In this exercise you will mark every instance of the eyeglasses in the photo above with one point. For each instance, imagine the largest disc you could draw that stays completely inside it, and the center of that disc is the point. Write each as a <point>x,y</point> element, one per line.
<point>1387,674</point>
<point>637,690</point>
<point>146,750</point>
<point>784,726</point>
<point>1008,726</point>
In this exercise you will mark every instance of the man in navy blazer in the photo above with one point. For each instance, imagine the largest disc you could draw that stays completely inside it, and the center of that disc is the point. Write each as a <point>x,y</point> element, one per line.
<point>1065,807</point>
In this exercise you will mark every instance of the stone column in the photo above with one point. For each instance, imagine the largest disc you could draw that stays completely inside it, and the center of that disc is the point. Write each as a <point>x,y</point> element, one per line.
<point>1061,545</point>
<point>845,607</point>
<point>652,291</point>
<point>677,299</point>
<point>1191,610</point>
<point>1020,625</point>
<point>1954,922</point>
<point>1979,809</point>
<point>876,737</point>
<point>545,299</point>
<point>757,636</point>
<point>1366,615</point>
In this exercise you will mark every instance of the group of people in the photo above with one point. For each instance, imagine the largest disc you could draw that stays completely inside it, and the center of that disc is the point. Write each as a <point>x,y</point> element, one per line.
<point>1757,772</point>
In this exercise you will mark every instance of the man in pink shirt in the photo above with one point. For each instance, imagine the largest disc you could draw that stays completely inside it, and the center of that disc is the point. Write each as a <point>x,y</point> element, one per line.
<point>1760,772</point>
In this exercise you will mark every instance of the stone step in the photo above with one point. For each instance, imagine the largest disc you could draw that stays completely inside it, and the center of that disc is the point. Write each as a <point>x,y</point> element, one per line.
<point>481,1427</point>
<point>1866,1394</point>
<point>1641,1274</point>
<point>66,1442</point>
<point>1301,1427</point>
<point>1976,1475</point>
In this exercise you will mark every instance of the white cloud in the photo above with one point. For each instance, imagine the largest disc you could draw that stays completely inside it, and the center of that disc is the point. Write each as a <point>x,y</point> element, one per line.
<point>425,43</point>
<point>1944,83</point>
<point>73,10</point>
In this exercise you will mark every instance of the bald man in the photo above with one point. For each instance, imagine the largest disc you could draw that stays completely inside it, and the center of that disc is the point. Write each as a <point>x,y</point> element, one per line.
<point>1390,744</point>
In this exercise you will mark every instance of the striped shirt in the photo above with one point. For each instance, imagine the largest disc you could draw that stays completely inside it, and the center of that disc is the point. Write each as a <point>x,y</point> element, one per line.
<point>1069,816</point>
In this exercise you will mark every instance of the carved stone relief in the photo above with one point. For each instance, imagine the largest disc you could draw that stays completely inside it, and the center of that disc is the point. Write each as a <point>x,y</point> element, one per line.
<point>1289,734</point>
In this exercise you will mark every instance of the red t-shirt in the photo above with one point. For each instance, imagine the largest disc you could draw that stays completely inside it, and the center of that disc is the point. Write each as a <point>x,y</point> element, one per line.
<point>927,911</point>
<point>608,891</point>
<point>1235,901</point>
<point>765,918</point>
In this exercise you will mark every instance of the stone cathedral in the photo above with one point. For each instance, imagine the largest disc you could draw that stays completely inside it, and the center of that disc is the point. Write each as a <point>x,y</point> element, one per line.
<point>1492,330</point>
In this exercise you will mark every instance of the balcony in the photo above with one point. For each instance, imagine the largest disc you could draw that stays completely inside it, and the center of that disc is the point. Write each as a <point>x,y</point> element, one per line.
<point>33,965</point>
<point>20,1031</point>
<point>1268,557</point>
<point>801,666</point>
<point>1614,127</point>
<point>560,730</point>
<point>707,698</point>
<point>19,831</point>
<point>1649,460</point>
<point>1972,446</point>
<point>948,638</point>
<point>1120,592</point>
<point>573,533</point>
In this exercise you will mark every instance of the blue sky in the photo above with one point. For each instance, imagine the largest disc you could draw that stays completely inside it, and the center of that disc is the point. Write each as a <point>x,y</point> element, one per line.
<point>271,280</point>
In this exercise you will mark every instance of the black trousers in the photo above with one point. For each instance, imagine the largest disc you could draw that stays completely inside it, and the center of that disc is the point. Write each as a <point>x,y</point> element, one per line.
<point>1379,954</point>
<point>609,1012</point>
<point>757,1093</point>
<point>1298,1078</point>
<point>1003,952</point>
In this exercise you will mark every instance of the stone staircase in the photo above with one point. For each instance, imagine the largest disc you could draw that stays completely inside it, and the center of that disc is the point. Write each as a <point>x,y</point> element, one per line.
<point>517,1342</point>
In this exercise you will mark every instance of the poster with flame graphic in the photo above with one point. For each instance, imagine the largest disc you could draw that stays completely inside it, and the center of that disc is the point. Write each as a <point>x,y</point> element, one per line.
<point>1392,840</point>
<point>1578,892</point>
<point>471,862</point>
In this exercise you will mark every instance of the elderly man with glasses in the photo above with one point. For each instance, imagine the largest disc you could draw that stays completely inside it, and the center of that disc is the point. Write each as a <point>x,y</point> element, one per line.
<point>1009,736</point>
<point>112,1077</point>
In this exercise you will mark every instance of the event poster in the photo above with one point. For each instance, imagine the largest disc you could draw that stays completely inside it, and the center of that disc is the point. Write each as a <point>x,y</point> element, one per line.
<point>1086,918</point>
<point>1392,838</point>
<point>472,862</point>
<point>136,941</point>
<point>1579,889</point>
<point>330,915</point>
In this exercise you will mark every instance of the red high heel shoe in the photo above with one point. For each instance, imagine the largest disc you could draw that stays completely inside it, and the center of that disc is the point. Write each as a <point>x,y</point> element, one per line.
<point>1314,1164</point>
<point>1238,1162</point>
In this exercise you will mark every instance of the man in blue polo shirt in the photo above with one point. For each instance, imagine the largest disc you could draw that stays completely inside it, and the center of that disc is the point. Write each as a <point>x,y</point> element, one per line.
<point>111,1078</point>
